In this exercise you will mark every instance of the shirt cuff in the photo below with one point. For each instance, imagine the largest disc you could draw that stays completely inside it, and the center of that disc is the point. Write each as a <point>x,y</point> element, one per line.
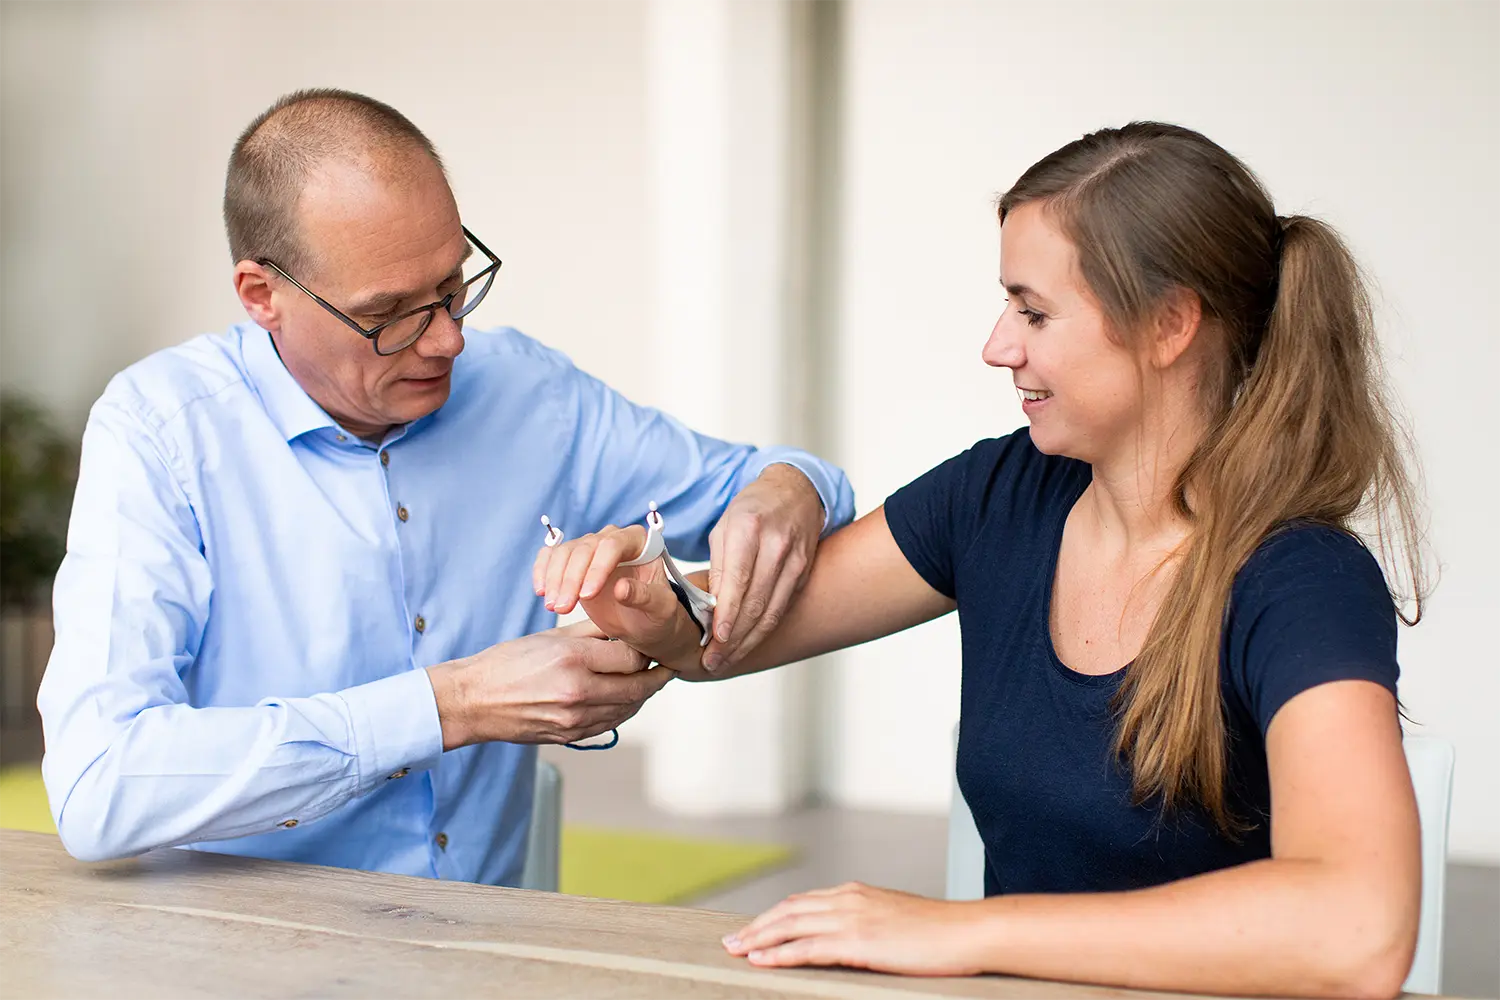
<point>396,727</point>
<point>830,482</point>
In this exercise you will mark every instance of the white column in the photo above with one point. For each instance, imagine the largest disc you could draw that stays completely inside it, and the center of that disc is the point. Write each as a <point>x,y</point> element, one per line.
<point>720,125</point>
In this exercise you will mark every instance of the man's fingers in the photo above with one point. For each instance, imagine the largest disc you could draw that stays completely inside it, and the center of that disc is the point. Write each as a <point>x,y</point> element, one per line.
<point>739,564</point>
<point>637,687</point>
<point>757,598</point>
<point>716,557</point>
<point>616,690</point>
<point>606,657</point>
<point>786,586</point>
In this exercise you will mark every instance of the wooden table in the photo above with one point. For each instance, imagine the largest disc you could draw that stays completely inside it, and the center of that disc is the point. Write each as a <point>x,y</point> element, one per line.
<point>180,923</point>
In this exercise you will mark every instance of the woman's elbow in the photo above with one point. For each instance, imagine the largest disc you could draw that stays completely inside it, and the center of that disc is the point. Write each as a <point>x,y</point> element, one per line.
<point>1384,972</point>
<point>1373,959</point>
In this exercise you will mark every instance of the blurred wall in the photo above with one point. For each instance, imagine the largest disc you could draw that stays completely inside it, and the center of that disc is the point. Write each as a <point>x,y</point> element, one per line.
<point>118,118</point>
<point>1380,118</point>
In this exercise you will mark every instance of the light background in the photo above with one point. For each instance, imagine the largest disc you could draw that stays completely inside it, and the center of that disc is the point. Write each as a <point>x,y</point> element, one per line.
<point>1383,118</point>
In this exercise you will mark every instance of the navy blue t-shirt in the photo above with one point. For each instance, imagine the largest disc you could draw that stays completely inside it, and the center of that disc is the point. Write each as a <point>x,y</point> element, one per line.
<point>1052,803</point>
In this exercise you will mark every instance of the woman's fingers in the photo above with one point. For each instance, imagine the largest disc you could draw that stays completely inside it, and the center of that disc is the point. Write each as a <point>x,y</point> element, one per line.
<point>616,545</point>
<point>539,570</point>
<point>582,567</point>
<point>790,927</point>
<point>793,906</point>
<point>568,564</point>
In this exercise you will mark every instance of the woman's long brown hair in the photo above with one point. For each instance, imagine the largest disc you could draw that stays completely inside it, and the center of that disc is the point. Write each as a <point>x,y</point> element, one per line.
<point>1299,426</point>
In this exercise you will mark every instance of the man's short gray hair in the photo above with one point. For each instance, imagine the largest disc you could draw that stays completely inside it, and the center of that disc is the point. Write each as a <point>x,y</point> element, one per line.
<point>276,153</point>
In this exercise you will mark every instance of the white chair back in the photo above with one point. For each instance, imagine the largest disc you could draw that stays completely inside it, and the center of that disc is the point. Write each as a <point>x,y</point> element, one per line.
<point>544,842</point>
<point>1430,761</point>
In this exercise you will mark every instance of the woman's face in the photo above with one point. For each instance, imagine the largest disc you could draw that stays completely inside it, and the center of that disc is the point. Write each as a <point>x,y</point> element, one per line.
<point>1079,388</point>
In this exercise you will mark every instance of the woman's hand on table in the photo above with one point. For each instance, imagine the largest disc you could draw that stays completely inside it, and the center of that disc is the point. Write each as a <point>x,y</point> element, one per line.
<point>863,927</point>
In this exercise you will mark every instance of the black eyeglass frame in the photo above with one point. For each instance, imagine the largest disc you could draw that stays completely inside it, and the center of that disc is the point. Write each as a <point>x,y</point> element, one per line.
<point>372,335</point>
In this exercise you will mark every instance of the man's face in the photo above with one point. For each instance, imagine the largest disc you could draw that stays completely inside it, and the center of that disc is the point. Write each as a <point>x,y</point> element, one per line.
<point>379,243</point>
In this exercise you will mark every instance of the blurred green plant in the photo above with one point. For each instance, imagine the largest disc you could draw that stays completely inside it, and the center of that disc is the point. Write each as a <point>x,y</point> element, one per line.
<point>38,468</point>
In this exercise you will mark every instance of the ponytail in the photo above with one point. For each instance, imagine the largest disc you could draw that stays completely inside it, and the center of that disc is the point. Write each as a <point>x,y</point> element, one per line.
<point>1307,437</point>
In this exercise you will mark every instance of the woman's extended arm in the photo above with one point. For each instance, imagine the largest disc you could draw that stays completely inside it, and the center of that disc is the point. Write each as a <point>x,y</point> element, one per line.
<point>861,587</point>
<point>1333,912</point>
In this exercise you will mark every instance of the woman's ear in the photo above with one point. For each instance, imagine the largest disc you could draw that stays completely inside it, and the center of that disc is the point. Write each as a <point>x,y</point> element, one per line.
<point>1179,318</point>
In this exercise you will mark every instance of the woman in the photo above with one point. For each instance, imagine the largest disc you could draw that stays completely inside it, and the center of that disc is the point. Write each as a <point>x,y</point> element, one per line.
<point>1179,732</point>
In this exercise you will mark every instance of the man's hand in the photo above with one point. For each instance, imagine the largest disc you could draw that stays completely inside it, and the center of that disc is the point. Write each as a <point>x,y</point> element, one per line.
<point>760,553</point>
<point>559,686</point>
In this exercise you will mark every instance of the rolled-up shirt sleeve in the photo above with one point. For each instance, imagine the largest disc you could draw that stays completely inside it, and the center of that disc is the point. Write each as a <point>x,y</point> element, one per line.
<point>130,764</point>
<point>626,455</point>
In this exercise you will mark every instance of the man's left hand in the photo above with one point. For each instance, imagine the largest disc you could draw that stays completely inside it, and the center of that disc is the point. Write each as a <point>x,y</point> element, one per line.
<point>760,553</point>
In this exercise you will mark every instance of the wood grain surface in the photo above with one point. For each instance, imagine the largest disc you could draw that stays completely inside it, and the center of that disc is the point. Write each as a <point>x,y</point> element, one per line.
<point>187,924</point>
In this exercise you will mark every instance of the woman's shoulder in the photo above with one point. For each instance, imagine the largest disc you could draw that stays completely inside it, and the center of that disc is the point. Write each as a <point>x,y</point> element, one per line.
<point>1309,606</point>
<point>1011,472</point>
<point>997,488</point>
<point>1302,557</point>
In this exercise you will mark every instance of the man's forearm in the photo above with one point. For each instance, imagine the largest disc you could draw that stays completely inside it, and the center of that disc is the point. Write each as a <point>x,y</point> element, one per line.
<point>176,774</point>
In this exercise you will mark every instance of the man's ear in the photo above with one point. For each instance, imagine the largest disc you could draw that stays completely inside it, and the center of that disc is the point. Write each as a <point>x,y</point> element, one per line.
<point>253,285</point>
<point>1179,319</point>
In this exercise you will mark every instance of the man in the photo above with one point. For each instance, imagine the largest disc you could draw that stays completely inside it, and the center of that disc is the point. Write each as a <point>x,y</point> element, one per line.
<point>296,617</point>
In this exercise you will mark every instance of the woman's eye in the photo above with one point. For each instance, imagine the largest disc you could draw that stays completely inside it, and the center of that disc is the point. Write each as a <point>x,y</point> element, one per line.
<point>1033,318</point>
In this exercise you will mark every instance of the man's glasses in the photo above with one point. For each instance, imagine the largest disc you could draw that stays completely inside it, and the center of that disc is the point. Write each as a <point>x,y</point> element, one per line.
<point>398,334</point>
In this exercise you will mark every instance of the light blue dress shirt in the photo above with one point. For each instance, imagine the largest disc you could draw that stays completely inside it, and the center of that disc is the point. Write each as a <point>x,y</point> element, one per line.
<point>250,596</point>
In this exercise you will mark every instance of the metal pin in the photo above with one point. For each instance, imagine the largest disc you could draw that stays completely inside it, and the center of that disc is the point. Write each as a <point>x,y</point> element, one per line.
<point>554,535</point>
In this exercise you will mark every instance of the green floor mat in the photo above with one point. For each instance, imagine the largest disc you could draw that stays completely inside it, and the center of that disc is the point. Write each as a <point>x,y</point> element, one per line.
<point>653,868</point>
<point>23,800</point>
<point>610,864</point>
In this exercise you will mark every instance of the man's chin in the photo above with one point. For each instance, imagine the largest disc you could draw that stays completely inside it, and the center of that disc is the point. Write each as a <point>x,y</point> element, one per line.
<point>416,398</point>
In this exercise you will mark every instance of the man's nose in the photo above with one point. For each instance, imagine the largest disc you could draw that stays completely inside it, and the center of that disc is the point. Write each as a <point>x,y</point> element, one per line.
<point>443,338</point>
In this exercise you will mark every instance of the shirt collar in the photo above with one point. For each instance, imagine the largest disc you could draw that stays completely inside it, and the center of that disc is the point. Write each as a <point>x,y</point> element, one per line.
<point>290,408</point>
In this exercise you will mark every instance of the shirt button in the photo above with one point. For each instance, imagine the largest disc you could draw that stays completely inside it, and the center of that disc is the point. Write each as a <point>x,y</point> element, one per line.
<point>401,512</point>
<point>442,841</point>
<point>398,774</point>
<point>385,458</point>
<point>420,624</point>
<point>287,824</point>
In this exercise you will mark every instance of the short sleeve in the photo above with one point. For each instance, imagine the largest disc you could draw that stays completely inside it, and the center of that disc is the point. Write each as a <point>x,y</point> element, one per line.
<point>930,516</point>
<point>1309,607</point>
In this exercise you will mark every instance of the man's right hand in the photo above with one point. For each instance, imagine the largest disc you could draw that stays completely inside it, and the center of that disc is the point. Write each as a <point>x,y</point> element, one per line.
<point>559,686</point>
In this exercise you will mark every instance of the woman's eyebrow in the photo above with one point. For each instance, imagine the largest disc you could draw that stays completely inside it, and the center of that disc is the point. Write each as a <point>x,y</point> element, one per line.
<point>1025,292</point>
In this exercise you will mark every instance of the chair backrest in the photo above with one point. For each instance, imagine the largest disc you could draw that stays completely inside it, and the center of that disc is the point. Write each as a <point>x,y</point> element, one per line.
<point>544,842</point>
<point>1431,764</point>
<point>1430,761</point>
